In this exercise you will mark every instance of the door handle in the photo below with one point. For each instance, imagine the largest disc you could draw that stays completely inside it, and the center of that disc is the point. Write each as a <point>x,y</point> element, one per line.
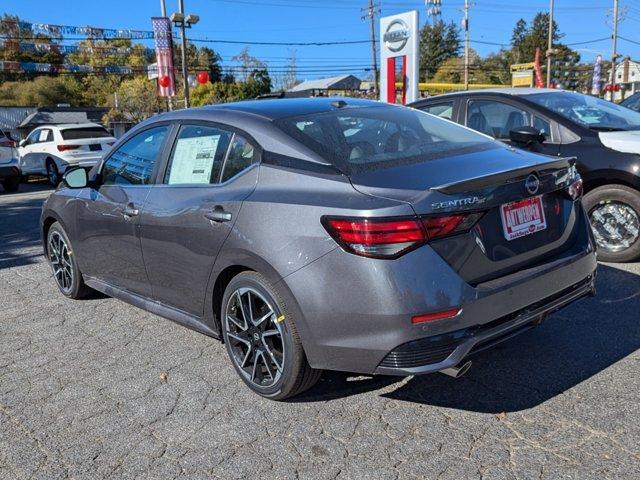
<point>218,215</point>
<point>130,211</point>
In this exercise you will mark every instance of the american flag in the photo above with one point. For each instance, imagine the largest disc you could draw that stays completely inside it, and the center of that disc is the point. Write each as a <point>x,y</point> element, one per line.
<point>164,54</point>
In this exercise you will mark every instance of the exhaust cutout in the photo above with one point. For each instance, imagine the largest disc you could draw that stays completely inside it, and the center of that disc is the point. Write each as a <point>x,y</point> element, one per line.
<point>458,370</point>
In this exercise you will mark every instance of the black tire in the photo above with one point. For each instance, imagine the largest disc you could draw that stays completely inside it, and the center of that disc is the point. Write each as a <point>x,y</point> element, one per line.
<point>11,185</point>
<point>296,375</point>
<point>53,174</point>
<point>626,198</point>
<point>76,287</point>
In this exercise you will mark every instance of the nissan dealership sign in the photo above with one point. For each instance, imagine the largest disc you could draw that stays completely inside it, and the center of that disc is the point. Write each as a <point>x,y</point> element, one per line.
<point>399,57</point>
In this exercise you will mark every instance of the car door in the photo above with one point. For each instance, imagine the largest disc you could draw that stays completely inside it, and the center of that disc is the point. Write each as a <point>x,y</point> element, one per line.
<point>108,214</point>
<point>188,216</point>
<point>30,152</point>
<point>497,117</point>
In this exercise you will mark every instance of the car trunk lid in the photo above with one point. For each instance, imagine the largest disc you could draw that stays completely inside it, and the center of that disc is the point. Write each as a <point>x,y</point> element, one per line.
<point>527,215</point>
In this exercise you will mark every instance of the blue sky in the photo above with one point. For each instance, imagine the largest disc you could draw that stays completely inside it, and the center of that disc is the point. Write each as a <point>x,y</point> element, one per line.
<point>491,21</point>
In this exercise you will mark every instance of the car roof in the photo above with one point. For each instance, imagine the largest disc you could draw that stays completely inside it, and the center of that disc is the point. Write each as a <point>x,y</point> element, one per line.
<point>501,91</point>
<point>273,109</point>
<point>65,126</point>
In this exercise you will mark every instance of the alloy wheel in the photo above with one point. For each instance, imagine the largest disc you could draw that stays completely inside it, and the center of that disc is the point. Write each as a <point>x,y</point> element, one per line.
<point>615,226</point>
<point>61,262</point>
<point>255,337</point>
<point>52,174</point>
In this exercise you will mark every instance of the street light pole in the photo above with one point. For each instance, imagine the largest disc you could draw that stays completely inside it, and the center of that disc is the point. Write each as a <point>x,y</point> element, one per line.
<point>183,39</point>
<point>466,44</point>
<point>550,44</point>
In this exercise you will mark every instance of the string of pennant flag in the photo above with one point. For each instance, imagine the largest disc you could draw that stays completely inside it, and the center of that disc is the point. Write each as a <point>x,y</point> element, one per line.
<point>94,32</point>
<point>52,47</point>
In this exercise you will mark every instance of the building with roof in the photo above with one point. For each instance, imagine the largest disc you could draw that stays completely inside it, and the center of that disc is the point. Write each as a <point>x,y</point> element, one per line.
<point>341,85</point>
<point>19,121</point>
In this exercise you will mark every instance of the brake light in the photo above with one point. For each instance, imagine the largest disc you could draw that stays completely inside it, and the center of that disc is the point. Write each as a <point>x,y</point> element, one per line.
<point>392,237</point>
<point>8,143</point>
<point>64,148</point>
<point>438,227</point>
<point>430,317</point>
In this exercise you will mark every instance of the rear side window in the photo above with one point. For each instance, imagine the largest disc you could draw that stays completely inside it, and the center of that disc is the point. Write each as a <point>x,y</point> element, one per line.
<point>444,110</point>
<point>356,139</point>
<point>133,162</point>
<point>84,132</point>
<point>197,155</point>
<point>241,155</point>
<point>496,118</point>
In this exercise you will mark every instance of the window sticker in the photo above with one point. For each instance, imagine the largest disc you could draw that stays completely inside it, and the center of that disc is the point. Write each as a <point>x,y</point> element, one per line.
<point>193,159</point>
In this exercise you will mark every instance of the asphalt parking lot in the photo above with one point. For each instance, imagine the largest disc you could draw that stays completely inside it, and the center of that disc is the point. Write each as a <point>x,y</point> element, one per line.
<point>99,389</point>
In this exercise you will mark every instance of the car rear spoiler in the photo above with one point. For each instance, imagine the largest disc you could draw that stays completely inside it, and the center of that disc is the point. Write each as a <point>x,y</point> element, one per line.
<point>507,176</point>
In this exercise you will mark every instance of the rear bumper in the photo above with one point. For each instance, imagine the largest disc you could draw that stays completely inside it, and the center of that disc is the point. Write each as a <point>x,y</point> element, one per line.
<point>433,354</point>
<point>355,313</point>
<point>9,171</point>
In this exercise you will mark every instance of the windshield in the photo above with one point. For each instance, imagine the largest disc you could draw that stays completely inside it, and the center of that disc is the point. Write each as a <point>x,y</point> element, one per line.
<point>381,136</point>
<point>590,112</point>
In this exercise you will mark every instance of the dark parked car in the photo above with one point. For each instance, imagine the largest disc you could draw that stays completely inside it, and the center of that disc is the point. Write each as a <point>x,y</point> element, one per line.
<point>314,234</point>
<point>604,137</point>
<point>632,102</point>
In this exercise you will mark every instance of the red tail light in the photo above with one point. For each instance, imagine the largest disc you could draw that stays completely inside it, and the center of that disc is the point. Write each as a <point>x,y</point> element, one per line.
<point>64,148</point>
<point>392,237</point>
<point>8,143</point>
<point>431,317</point>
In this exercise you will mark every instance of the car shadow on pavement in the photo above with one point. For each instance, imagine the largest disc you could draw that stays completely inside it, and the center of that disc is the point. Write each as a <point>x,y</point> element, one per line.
<point>570,347</point>
<point>19,226</point>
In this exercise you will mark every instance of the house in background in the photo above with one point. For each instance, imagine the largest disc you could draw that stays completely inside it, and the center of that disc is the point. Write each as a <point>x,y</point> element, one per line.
<point>628,77</point>
<point>324,87</point>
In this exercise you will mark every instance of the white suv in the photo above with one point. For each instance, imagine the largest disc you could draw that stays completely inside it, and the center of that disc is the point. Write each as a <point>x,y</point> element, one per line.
<point>52,149</point>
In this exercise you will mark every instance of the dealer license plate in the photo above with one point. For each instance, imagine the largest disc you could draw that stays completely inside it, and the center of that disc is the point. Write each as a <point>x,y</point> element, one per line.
<point>523,217</point>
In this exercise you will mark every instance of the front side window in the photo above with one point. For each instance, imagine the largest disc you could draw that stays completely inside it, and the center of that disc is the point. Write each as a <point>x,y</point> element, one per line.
<point>444,110</point>
<point>355,139</point>
<point>496,118</point>
<point>33,137</point>
<point>197,155</point>
<point>241,155</point>
<point>133,162</point>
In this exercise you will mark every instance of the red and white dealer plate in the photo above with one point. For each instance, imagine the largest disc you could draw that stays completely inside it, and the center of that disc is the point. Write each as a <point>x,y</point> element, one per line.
<point>523,217</point>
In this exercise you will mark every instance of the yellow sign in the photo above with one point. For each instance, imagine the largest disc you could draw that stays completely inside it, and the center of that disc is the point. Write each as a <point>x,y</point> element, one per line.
<point>518,67</point>
<point>522,78</point>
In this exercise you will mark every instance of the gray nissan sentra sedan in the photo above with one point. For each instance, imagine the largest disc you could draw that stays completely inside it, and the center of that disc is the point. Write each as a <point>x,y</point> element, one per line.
<point>327,233</point>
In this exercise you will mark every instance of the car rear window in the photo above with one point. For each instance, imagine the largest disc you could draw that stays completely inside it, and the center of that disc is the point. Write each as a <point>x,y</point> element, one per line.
<point>356,139</point>
<point>84,132</point>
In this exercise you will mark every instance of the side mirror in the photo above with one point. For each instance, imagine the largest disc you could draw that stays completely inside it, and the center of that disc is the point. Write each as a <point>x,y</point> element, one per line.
<point>75,178</point>
<point>527,136</point>
<point>23,142</point>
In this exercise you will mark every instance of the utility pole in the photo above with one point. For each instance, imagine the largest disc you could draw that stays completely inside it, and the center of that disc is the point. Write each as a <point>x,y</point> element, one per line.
<point>550,44</point>
<point>183,40</point>
<point>371,11</point>
<point>465,24</point>
<point>163,13</point>
<point>614,48</point>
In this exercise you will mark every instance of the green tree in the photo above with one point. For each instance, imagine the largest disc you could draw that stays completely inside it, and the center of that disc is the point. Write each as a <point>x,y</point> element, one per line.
<point>137,100</point>
<point>438,42</point>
